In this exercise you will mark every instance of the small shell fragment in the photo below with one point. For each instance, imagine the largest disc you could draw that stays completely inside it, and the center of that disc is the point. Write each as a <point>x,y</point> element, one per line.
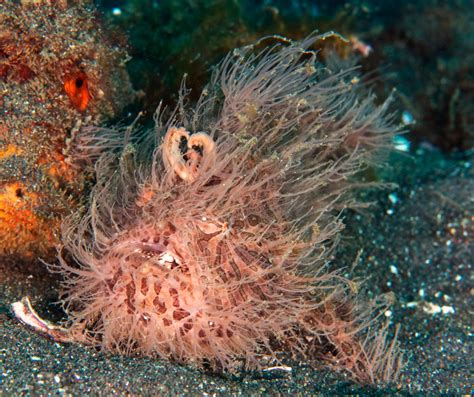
<point>24,312</point>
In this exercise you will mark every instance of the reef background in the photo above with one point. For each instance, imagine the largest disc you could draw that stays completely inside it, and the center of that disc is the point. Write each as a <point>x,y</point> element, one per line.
<point>416,241</point>
<point>424,49</point>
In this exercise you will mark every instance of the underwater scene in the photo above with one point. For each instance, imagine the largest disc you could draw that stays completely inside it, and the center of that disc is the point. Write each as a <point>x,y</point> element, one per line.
<point>236,197</point>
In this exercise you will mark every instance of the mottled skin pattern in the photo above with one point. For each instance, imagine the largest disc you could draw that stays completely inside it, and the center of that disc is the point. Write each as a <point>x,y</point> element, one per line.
<point>57,71</point>
<point>213,251</point>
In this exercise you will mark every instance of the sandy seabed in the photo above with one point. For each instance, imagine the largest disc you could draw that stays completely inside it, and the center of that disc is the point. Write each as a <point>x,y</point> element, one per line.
<point>417,243</point>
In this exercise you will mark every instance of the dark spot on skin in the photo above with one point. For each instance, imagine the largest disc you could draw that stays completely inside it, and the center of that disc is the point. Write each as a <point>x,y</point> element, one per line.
<point>347,349</point>
<point>213,181</point>
<point>235,268</point>
<point>174,293</point>
<point>188,325</point>
<point>179,314</point>
<point>130,291</point>
<point>326,319</point>
<point>157,288</point>
<point>254,220</point>
<point>219,332</point>
<point>160,307</point>
<point>144,286</point>
<point>183,145</point>
<point>238,224</point>
<point>198,149</point>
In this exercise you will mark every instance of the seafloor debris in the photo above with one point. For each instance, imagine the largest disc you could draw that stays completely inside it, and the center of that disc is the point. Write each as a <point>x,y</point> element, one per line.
<point>215,252</point>
<point>27,315</point>
<point>57,70</point>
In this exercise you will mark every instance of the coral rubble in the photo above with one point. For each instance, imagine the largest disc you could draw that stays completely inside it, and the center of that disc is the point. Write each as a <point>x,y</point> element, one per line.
<point>216,252</point>
<point>57,70</point>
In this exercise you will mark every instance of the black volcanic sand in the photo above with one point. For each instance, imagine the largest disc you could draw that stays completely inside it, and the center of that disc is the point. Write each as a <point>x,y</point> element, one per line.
<point>415,242</point>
